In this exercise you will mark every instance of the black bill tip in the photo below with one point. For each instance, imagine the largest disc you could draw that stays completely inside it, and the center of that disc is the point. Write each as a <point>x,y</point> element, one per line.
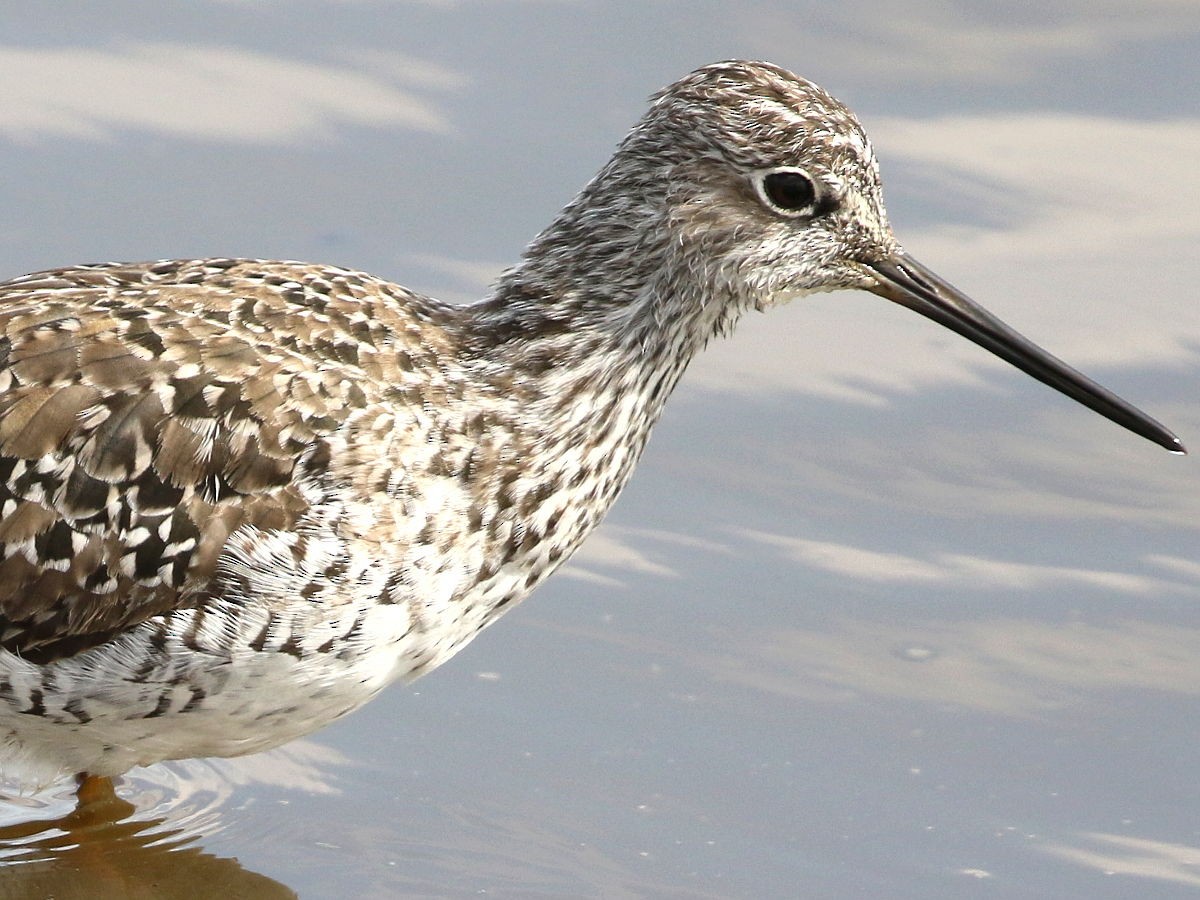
<point>903,280</point>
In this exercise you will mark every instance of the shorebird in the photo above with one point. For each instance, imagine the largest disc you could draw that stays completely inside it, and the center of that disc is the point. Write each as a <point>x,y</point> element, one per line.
<point>238,497</point>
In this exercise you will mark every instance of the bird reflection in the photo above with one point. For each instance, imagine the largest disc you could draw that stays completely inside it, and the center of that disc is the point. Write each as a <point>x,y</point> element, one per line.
<point>150,843</point>
<point>104,848</point>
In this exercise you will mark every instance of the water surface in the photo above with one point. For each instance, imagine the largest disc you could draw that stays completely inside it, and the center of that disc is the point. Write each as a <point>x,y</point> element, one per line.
<point>878,616</point>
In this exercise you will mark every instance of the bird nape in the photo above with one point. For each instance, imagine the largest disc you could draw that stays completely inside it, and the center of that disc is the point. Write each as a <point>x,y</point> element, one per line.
<point>238,497</point>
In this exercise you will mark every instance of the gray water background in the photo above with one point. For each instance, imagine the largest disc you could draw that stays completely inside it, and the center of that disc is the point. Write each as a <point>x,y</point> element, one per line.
<point>877,617</point>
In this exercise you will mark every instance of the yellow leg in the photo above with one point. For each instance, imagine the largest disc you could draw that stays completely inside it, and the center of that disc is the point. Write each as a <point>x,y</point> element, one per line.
<point>94,789</point>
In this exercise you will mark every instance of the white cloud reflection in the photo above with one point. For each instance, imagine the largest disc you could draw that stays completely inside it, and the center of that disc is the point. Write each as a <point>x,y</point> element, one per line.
<point>633,551</point>
<point>214,93</point>
<point>927,40</point>
<point>1120,854</point>
<point>302,764</point>
<point>1039,465</point>
<point>958,570</point>
<point>1097,266</point>
<point>1001,665</point>
<point>1009,667</point>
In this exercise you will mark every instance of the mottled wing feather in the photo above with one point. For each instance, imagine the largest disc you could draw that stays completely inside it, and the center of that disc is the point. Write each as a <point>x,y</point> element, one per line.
<point>146,413</point>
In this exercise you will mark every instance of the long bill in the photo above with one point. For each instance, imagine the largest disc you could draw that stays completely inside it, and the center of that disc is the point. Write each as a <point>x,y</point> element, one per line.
<point>903,280</point>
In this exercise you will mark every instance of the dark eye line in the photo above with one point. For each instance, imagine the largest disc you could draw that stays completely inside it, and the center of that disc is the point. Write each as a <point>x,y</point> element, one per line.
<point>827,202</point>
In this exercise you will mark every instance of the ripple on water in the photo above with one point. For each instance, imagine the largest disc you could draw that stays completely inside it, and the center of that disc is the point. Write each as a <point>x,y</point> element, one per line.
<point>147,838</point>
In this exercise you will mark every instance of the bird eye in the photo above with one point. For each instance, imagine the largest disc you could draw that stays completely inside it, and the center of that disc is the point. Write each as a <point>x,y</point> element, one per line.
<point>789,191</point>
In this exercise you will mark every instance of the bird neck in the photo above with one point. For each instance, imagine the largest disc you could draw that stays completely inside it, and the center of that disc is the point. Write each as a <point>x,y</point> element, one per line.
<point>587,338</point>
<point>604,303</point>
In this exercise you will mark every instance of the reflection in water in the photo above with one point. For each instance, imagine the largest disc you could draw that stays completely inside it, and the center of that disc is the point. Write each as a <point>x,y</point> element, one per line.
<point>1012,269</point>
<point>1044,477</point>
<point>536,850</point>
<point>1081,227</point>
<point>932,40</point>
<point>1012,667</point>
<point>148,842</point>
<point>620,556</point>
<point>105,847</point>
<point>233,95</point>
<point>1008,667</point>
<point>1119,854</point>
<point>960,570</point>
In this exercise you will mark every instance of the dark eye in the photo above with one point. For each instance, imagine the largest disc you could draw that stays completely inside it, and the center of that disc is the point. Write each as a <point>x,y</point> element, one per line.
<point>789,191</point>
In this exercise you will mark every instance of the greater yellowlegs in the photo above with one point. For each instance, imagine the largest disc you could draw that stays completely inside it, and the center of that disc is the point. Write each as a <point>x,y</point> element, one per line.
<point>238,498</point>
